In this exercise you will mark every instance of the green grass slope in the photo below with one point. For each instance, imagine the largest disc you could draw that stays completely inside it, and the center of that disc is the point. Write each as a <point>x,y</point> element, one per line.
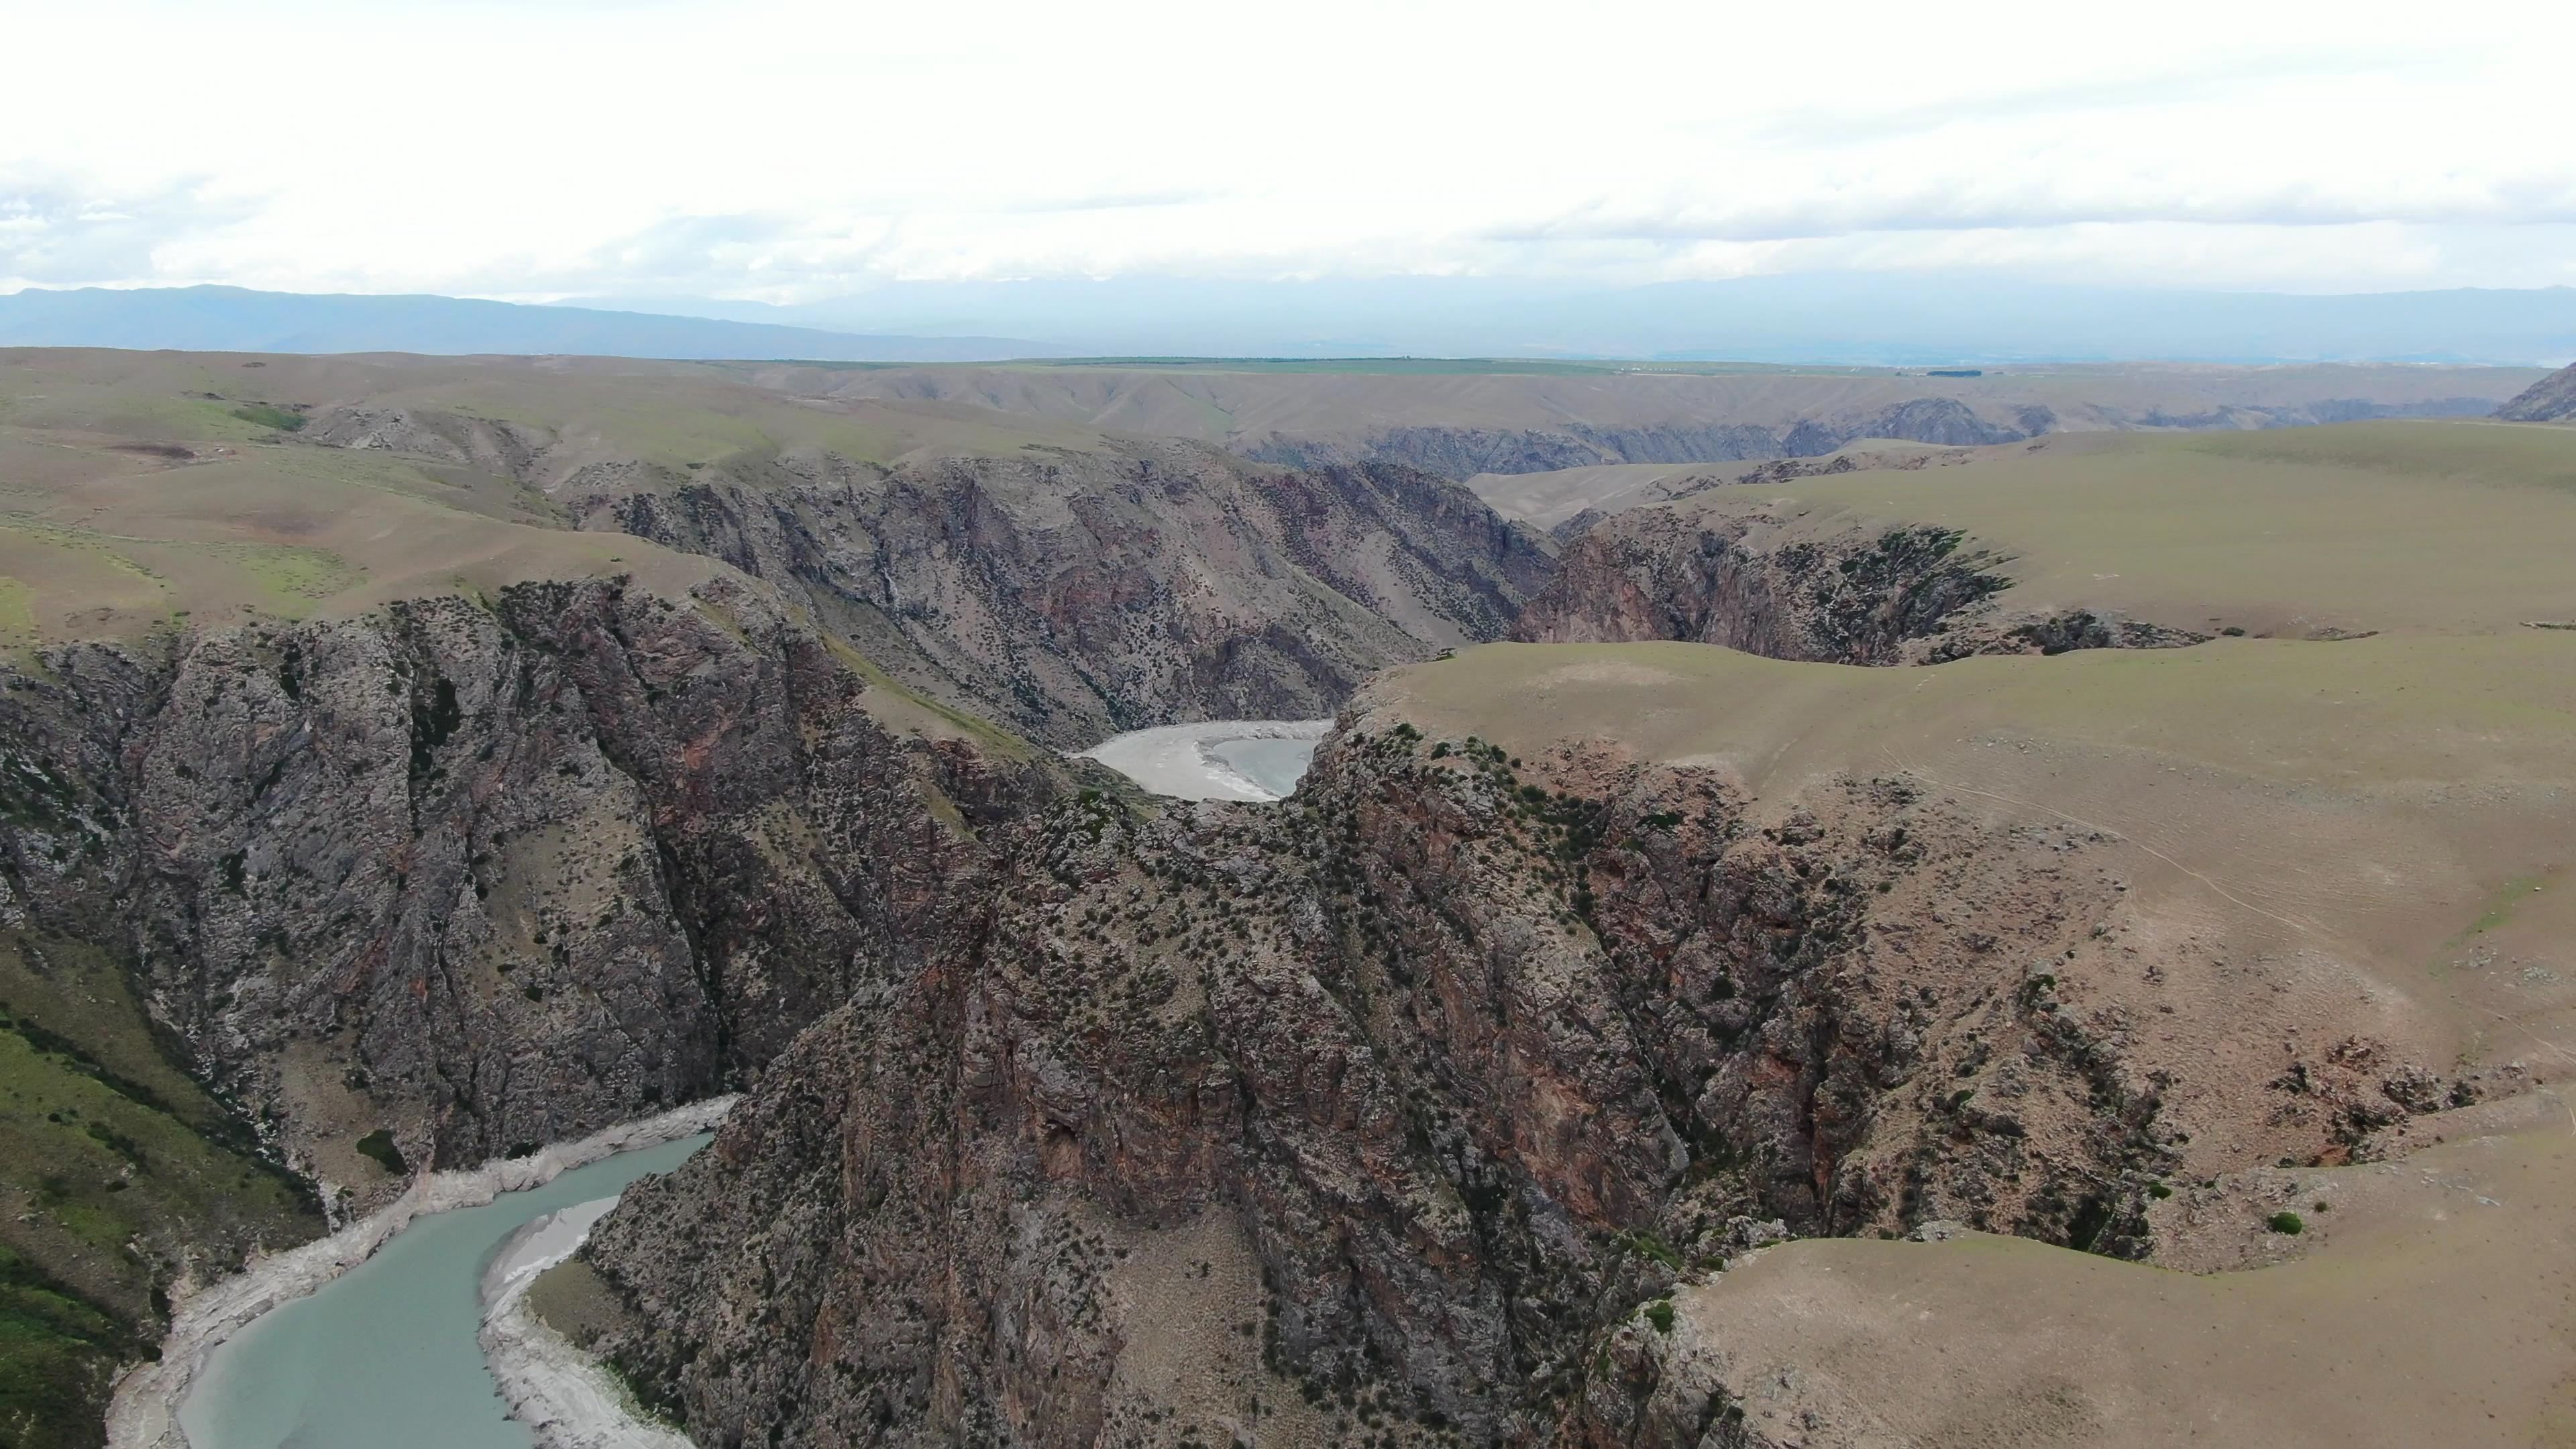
<point>119,1178</point>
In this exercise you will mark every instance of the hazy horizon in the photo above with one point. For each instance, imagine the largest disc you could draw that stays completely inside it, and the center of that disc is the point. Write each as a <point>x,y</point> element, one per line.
<point>801,154</point>
<point>1812,320</point>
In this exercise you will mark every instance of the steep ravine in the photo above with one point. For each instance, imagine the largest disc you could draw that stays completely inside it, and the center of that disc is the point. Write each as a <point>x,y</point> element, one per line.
<point>495,875</point>
<point>1068,593</point>
<point>1461,452</point>
<point>438,885</point>
<point>1364,1119</point>
<point>1074,595</point>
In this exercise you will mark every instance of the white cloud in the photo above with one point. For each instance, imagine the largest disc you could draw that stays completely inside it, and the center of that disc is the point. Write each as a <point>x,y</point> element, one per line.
<point>792,149</point>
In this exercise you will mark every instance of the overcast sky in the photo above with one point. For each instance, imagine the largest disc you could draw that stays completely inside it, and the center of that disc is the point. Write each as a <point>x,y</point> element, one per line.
<point>793,152</point>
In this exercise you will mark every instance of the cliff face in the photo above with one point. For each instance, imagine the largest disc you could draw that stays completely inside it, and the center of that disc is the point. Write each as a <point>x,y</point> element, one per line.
<point>1073,595</point>
<point>2550,400</point>
<point>476,877</point>
<point>1464,452</point>
<point>1362,1119</point>
<point>1070,592</point>
<point>1903,595</point>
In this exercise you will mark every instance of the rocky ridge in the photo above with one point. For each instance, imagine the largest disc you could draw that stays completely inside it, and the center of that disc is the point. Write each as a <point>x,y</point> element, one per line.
<point>1461,453</point>
<point>2550,400</point>
<point>1910,594</point>
<point>1068,593</point>
<point>475,878</point>
<point>1408,1096</point>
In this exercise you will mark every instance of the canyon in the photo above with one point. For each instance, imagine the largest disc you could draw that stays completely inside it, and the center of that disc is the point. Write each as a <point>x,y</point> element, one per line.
<point>408,764</point>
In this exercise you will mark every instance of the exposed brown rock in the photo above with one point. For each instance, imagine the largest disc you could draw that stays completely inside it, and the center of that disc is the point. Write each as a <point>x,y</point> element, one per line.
<point>1469,1058</point>
<point>1744,579</point>
<point>2550,400</point>
<point>491,877</point>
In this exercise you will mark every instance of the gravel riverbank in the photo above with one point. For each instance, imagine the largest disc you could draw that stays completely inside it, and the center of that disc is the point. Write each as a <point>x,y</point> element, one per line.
<point>145,1411</point>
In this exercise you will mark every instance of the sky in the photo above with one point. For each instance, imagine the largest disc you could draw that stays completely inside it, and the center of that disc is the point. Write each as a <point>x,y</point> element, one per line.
<point>790,152</point>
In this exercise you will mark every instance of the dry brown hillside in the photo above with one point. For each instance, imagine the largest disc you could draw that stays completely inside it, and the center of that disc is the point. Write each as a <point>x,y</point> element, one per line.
<point>1464,419</point>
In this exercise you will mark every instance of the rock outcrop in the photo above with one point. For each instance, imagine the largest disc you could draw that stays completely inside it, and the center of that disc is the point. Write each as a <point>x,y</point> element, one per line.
<point>1068,593</point>
<point>1072,595</point>
<point>1463,452</point>
<point>467,878</point>
<point>2550,400</point>
<point>1747,580</point>
<point>1740,581</point>
<point>1363,1119</point>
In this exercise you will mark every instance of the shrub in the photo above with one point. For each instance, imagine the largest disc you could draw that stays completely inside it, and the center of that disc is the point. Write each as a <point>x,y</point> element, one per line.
<point>1660,1314</point>
<point>2285,1222</point>
<point>2159,1191</point>
<point>379,1145</point>
<point>270,417</point>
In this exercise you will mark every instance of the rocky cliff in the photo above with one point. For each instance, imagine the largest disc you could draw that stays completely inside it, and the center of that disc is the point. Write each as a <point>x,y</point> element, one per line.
<point>1069,592</point>
<point>1749,580</point>
<point>470,877</point>
<point>429,887</point>
<point>1073,595</point>
<point>1364,1120</point>
<point>1464,452</point>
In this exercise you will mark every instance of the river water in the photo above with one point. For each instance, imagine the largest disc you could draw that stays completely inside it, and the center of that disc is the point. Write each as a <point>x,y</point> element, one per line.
<point>1239,759</point>
<point>384,1356</point>
<point>1274,765</point>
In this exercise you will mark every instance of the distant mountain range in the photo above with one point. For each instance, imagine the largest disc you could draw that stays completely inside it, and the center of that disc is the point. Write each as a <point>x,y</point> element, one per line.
<point>1873,319</point>
<point>1870,319</point>
<point>235,319</point>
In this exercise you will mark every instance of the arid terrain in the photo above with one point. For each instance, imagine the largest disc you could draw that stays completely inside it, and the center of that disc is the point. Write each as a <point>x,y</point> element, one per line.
<point>1464,419</point>
<point>2052,933</point>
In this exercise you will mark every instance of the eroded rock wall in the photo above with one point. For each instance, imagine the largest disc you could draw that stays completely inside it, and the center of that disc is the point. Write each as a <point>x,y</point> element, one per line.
<point>1755,582</point>
<point>1075,595</point>
<point>1444,1068</point>
<point>487,876</point>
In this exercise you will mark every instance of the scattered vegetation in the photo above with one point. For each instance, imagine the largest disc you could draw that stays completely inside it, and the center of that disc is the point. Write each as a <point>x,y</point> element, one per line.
<point>379,1146</point>
<point>111,1149</point>
<point>268,416</point>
